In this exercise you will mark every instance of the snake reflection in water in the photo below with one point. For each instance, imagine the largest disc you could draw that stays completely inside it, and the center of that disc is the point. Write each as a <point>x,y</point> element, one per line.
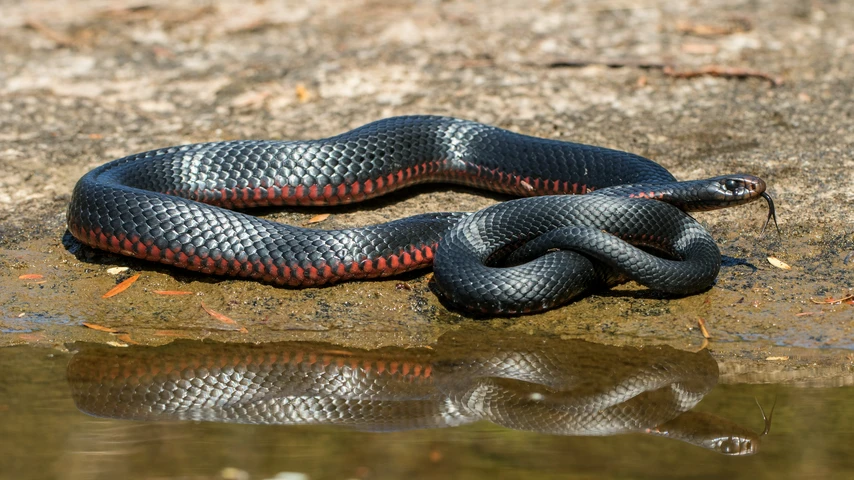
<point>539,384</point>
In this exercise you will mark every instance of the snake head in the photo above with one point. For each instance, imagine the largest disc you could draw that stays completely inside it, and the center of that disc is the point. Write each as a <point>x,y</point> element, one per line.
<point>731,190</point>
<point>701,195</point>
<point>696,195</point>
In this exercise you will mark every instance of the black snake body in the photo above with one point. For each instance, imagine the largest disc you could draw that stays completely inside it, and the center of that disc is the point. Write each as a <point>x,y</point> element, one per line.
<point>164,205</point>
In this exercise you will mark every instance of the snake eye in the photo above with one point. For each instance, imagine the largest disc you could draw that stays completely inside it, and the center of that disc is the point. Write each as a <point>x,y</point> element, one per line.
<point>731,185</point>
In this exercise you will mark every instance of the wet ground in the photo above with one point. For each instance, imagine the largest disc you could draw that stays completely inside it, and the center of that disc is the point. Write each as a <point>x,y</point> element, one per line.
<point>83,84</point>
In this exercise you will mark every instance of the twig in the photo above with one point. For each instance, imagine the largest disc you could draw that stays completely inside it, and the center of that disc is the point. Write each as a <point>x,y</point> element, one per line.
<point>723,71</point>
<point>832,301</point>
<point>60,39</point>
<point>669,70</point>
<point>614,63</point>
<point>169,16</point>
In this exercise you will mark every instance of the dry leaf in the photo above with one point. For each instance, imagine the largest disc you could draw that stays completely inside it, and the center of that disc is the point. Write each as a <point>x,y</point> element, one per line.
<point>121,287</point>
<point>222,318</point>
<point>117,344</point>
<point>317,218</point>
<point>100,328</point>
<point>117,270</point>
<point>30,276</point>
<point>779,263</point>
<point>303,95</point>
<point>172,292</point>
<point>772,359</point>
<point>126,338</point>
<point>31,337</point>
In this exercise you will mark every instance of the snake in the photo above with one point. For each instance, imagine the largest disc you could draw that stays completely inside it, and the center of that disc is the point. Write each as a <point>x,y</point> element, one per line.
<point>626,221</point>
<point>544,385</point>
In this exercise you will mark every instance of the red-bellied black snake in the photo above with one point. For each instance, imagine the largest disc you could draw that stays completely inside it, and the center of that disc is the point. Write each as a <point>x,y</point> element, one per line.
<point>165,205</point>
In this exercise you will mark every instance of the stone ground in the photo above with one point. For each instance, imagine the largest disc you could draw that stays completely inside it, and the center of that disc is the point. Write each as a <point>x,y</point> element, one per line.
<point>87,82</point>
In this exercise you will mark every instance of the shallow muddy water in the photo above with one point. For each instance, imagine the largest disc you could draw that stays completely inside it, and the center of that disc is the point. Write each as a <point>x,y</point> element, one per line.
<point>473,405</point>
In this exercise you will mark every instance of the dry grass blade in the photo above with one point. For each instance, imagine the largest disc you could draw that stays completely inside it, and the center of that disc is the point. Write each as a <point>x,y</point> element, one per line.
<point>172,292</point>
<point>121,287</point>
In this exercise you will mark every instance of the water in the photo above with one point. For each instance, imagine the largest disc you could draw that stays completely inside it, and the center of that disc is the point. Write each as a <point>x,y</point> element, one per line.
<point>503,393</point>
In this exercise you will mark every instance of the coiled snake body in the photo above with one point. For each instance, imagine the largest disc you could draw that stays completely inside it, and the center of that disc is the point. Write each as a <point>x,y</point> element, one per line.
<point>164,205</point>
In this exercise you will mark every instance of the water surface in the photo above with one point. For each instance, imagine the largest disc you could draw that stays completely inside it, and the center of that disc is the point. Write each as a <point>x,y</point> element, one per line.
<point>469,407</point>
